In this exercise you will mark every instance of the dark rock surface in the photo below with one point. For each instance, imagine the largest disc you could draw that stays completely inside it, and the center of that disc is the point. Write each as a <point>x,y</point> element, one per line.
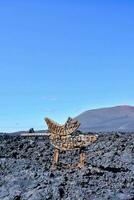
<point>25,170</point>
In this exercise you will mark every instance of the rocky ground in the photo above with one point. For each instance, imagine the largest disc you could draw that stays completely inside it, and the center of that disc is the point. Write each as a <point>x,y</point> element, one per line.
<point>25,170</point>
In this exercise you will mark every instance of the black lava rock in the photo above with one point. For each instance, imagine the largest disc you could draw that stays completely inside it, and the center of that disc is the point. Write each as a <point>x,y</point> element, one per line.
<point>108,173</point>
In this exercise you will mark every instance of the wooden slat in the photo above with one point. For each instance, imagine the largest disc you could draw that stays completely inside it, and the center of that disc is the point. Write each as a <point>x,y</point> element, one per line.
<point>35,134</point>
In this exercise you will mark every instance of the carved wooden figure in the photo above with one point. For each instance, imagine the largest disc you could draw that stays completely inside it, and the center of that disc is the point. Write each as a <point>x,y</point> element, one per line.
<point>63,139</point>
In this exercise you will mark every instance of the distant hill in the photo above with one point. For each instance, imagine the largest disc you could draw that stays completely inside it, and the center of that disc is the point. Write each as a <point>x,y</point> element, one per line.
<point>119,118</point>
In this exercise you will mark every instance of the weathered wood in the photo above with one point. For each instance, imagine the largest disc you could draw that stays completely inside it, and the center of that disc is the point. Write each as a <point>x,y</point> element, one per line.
<point>62,138</point>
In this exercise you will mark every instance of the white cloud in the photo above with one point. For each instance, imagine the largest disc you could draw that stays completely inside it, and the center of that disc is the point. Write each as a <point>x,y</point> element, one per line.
<point>49,110</point>
<point>49,98</point>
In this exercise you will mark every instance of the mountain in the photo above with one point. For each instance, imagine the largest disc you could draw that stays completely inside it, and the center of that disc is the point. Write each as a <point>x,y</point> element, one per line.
<point>119,118</point>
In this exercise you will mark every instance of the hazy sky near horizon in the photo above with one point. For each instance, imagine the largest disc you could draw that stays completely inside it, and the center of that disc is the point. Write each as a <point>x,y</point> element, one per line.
<point>59,58</point>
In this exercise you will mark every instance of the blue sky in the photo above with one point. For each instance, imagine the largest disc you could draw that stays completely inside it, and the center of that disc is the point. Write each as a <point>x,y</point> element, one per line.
<point>60,58</point>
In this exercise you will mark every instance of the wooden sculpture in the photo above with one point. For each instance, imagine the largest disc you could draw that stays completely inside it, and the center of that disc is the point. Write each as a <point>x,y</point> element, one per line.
<point>63,139</point>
